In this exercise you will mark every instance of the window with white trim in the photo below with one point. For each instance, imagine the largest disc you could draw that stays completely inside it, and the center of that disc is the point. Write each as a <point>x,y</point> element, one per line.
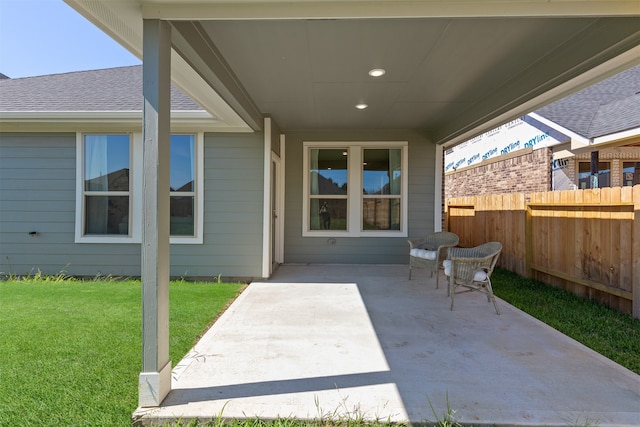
<point>355,189</point>
<point>186,182</point>
<point>109,188</point>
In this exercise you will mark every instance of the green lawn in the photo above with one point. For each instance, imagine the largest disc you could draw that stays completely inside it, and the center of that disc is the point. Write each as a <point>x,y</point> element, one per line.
<point>70,351</point>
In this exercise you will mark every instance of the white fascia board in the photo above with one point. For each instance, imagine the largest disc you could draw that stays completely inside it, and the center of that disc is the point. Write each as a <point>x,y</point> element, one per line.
<point>577,141</point>
<point>617,137</point>
<point>332,9</point>
<point>181,120</point>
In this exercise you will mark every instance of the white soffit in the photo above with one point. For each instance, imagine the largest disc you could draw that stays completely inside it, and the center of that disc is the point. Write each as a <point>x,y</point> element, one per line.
<point>122,20</point>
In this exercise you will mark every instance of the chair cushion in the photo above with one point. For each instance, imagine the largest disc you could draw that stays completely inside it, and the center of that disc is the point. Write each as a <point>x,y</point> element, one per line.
<point>423,253</point>
<point>480,275</point>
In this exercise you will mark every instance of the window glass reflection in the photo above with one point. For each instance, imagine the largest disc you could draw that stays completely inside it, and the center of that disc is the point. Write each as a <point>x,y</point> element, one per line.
<point>107,215</point>
<point>106,162</point>
<point>381,171</point>
<point>181,220</point>
<point>328,214</point>
<point>328,171</point>
<point>630,173</point>
<point>381,214</point>
<point>182,162</point>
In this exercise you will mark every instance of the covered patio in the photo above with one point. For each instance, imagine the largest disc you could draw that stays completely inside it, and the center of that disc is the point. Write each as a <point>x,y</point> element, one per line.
<point>361,341</point>
<point>303,75</point>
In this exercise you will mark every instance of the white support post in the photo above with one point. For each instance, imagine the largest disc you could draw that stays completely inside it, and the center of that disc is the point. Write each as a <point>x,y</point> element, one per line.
<point>267,211</point>
<point>155,379</point>
<point>438,206</point>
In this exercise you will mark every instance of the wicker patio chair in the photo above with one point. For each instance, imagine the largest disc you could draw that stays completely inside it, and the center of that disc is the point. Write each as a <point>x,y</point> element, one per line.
<point>471,269</point>
<point>430,251</point>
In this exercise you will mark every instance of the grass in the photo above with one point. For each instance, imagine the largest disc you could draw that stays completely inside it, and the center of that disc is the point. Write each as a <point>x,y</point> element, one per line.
<point>70,350</point>
<point>607,331</point>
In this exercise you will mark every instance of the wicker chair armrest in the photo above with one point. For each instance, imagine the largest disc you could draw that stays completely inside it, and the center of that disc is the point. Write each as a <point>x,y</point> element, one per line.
<point>443,252</point>
<point>465,268</point>
<point>434,241</point>
<point>465,262</point>
<point>415,243</point>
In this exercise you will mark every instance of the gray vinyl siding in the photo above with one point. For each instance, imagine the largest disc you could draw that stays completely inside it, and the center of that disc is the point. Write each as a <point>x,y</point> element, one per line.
<point>233,197</point>
<point>358,250</point>
<point>37,193</point>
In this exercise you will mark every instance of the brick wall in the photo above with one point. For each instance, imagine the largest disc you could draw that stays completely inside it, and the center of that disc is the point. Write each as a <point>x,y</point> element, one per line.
<point>523,171</point>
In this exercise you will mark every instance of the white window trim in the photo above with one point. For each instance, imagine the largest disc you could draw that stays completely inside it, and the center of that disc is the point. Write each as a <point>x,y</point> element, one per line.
<point>198,220</point>
<point>135,192</point>
<point>354,202</point>
<point>135,202</point>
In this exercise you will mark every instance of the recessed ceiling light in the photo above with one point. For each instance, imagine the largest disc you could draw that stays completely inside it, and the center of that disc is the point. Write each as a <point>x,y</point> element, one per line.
<point>377,72</point>
<point>361,106</point>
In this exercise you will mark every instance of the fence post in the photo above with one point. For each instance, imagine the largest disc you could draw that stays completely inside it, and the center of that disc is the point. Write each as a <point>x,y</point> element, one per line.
<point>635,273</point>
<point>528,241</point>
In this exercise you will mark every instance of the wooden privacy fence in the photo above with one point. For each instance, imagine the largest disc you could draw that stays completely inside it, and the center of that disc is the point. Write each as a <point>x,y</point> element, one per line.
<point>586,241</point>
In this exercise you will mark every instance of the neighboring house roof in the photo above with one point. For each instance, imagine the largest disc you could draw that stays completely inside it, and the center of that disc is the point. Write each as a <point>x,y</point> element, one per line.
<point>608,107</point>
<point>605,109</point>
<point>3,76</point>
<point>111,89</point>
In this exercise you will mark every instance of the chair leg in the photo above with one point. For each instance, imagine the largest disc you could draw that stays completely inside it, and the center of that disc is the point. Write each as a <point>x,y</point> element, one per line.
<point>451,290</point>
<point>410,269</point>
<point>490,295</point>
<point>437,278</point>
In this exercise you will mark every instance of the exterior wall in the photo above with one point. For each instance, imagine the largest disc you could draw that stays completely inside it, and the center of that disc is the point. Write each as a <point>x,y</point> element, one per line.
<point>521,172</point>
<point>233,205</point>
<point>527,171</point>
<point>355,250</point>
<point>37,193</point>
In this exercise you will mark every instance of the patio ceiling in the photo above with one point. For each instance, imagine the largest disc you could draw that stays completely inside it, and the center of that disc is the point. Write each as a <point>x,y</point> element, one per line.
<point>453,69</point>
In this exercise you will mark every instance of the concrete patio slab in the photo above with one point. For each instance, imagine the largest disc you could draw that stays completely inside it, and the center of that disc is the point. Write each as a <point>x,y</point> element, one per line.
<point>363,341</point>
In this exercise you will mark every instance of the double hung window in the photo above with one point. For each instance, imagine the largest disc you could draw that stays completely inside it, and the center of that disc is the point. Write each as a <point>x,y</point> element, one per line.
<point>355,189</point>
<point>183,185</point>
<point>328,185</point>
<point>382,189</point>
<point>109,188</point>
<point>106,185</point>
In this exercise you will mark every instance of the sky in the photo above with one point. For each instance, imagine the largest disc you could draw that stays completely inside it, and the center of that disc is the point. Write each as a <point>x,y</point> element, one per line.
<point>39,37</point>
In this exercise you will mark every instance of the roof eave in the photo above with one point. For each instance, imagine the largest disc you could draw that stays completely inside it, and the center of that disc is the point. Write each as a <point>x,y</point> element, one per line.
<point>82,121</point>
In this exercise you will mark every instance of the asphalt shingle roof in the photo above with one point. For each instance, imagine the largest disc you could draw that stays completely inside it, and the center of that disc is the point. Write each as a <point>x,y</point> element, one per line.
<point>610,106</point>
<point>111,89</point>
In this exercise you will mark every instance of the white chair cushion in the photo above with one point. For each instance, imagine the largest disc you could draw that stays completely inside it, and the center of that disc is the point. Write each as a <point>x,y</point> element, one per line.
<point>480,275</point>
<point>423,253</point>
